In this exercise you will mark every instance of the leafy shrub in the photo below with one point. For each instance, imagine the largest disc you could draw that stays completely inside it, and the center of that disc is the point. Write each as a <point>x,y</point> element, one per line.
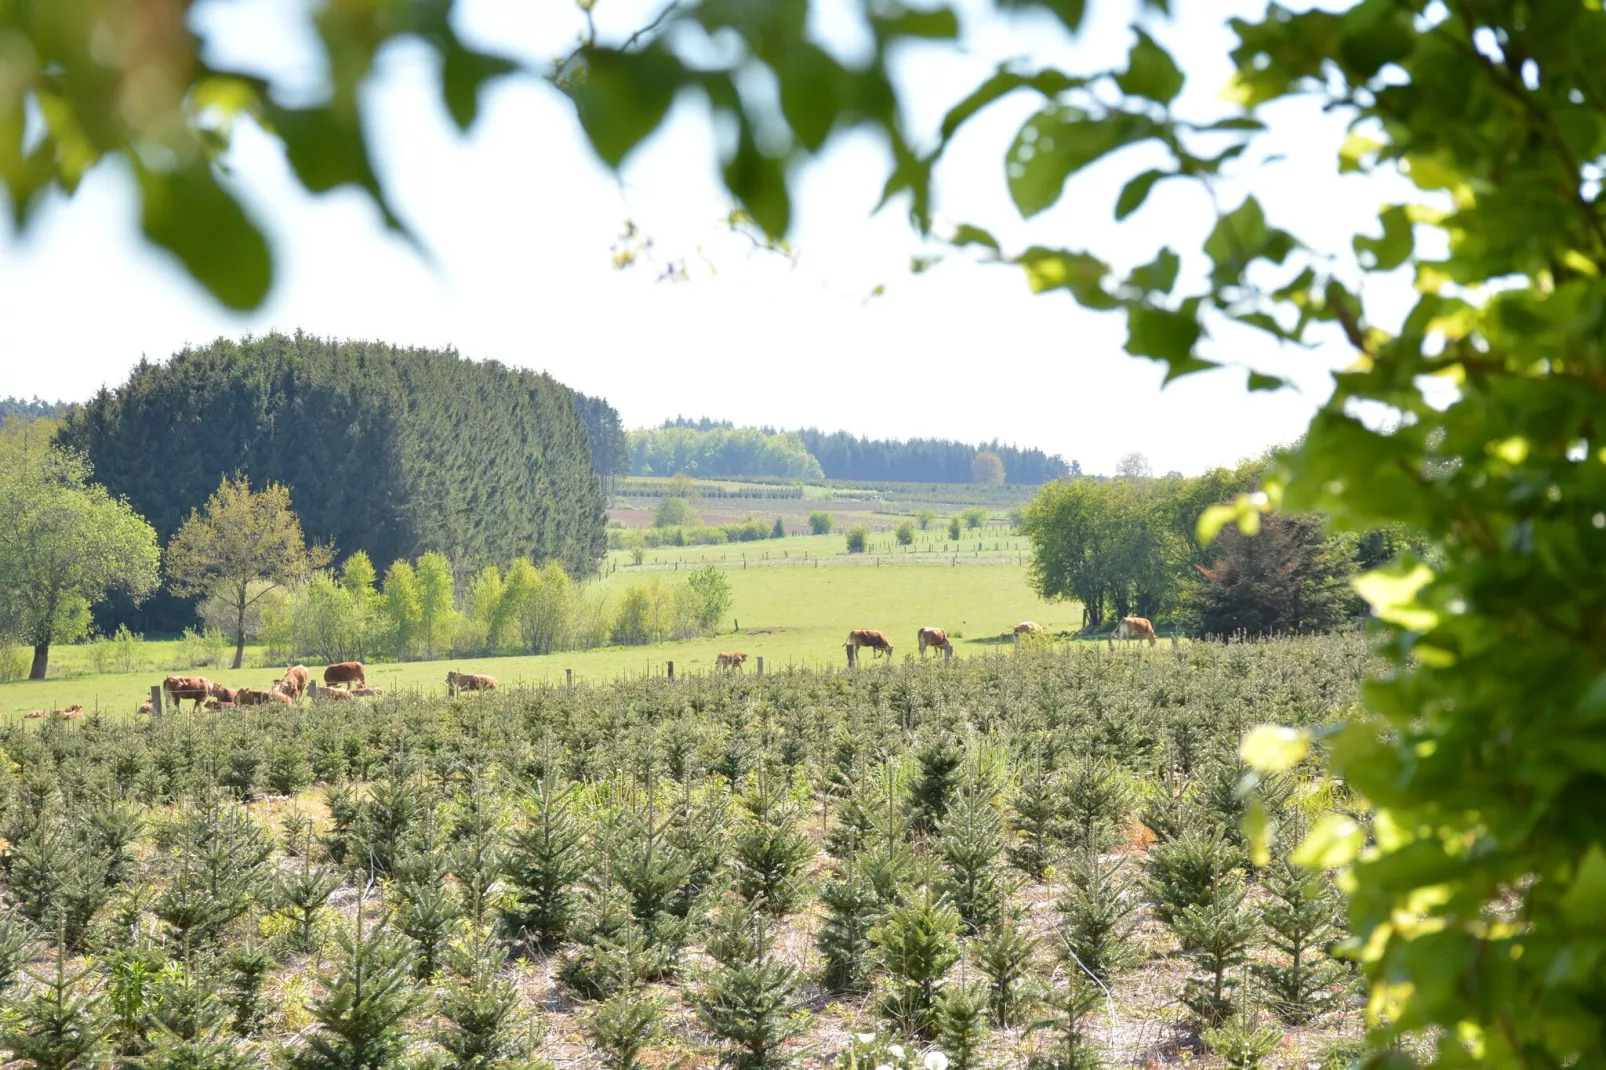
<point>858,539</point>
<point>974,518</point>
<point>821,523</point>
<point>15,662</point>
<point>672,513</point>
<point>906,533</point>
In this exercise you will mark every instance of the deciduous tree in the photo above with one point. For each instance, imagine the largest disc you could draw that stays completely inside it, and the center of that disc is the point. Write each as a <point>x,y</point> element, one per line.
<point>238,546</point>
<point>64,544</point>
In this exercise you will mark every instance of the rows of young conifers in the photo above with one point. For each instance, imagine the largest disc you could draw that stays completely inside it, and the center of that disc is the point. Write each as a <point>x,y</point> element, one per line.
<point>890,863</point>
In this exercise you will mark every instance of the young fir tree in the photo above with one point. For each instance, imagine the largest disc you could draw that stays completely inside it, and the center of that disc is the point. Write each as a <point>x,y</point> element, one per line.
<point>1037,819</point>
<point>623,1026</point>
<point>397,802</point>
<point>916,943</point>
<point>476,858</point>
<point>1067,1008</point>
<point>303,891</point>
<point>750,1000</point>
<point>1301,917</point>
<point>1171,811</point>
<point>770,852</point>
<point>1004,954</point>
<point>852,909</point>
<point>545,859</point>
<point>961,1024</point>
<point>218,865</point>
<point>1217,935</point>
<point>189,1025</point>
<point>1189,870</point>
<point>59,879</point>
<point>654,874</point>
<point>245,971</point>
<point>430,905</point>
<point>971,845</point>
<point>1096,804</point>
<point>362,1018</point>
<point>937,776</point>
<point>17,939</point>
<point>57,1026</point>
<point>1096,916</point>
<point>478,1009</point>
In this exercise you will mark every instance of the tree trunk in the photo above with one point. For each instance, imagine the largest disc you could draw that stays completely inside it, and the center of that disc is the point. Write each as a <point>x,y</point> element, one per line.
<point>239,636</point>
<point>41,661</point>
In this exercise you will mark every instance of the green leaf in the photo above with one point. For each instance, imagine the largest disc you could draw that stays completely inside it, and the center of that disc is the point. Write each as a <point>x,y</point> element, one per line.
<point>1256,827</point>
<point>1241,237</point>
<point>622,97</point>
<point>1049,83</point>
<point>1164,334</point>
<point>965,234</point>
<point>1333,842</point>
<point>1069,12</point>
<point>1391,592</point>
<point>1272,748</point>
<point>1585,901</point>
<point>1081,273</point>
<point>327,149</point>
<point>1159,275</point>
<point>464,73</point>
<point>813,87</point>
<point>1394,247</point>
<point>1135,192</point>
<point>1150,71</point>
<point>1059,141</point>
<point>937,24</point>
<point>759,182</point>
<point>1260,381</point>
<point>189,214</point>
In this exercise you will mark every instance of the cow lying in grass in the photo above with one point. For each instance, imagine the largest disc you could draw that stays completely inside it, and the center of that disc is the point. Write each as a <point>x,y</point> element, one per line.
<point>467,681</point>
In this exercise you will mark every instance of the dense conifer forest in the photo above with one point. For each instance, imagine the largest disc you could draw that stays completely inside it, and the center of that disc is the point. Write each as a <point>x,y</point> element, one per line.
<point>393,451</point>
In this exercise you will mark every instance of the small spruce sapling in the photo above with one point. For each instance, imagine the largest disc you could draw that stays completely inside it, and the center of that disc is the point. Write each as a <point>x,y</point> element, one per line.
<point>362,1018</point>
<point>1217,936</point>
<point>1096,916</point>
<point>971,845</point>
<point>1301,917</point>
<point>916,943</point>
<point>544,862</point>
<point>1004,955</point>
<point>750,1000</point>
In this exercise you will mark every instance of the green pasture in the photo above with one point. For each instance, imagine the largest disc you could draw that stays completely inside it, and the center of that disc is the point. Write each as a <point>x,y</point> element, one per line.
<point>790,616</point>
<point>990,547</point>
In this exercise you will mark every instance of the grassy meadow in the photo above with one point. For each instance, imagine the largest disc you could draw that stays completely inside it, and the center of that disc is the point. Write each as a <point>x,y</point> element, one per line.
<point>788,615</point>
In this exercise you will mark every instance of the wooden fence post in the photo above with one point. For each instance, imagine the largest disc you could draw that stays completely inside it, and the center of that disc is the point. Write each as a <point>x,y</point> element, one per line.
<point>569,676</point>
<point>671,670</point>
<point>312,689</point>
<point>761,665</point>
<point>947,655</point>
<point>156,702</point>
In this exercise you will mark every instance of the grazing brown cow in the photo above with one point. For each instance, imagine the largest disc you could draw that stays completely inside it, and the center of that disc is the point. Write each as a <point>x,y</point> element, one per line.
<point>466,681</point>
<point>1134,628</point>
<point>294,681</point>
<point>178,688</point>
<point>250,696</point>
<point>866,637</point>
<point>732,660</point>
<point>146,707</point>
<point>936,639</point>
<point>345,672</point>
<point>1027,627</point>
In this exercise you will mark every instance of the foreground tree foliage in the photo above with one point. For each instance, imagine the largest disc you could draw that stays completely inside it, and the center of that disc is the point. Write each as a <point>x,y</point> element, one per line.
<point>65,543</point>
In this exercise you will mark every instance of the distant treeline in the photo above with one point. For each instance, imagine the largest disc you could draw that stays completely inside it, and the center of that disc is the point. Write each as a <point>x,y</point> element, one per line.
<point>32,410</point>
<point>720,452</point>
<point>392,451</point>
<point>842,455</point>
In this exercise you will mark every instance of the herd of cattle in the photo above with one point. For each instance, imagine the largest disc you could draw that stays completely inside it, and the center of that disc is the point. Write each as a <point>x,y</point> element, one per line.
<point>936,639</point>
<point>348,680</point>
<point>342,681</point>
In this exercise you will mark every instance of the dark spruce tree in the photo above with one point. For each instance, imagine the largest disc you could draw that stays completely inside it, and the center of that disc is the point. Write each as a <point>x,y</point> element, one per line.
<point>390,450</point>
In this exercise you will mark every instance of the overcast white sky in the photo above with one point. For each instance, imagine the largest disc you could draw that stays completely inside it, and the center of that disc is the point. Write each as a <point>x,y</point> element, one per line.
<point>519,217</point>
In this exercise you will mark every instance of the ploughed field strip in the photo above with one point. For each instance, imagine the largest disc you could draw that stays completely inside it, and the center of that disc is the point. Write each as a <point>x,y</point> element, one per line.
<point>1036,855</point>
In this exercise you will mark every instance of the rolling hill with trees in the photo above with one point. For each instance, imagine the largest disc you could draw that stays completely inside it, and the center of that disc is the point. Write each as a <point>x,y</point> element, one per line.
<point>708,443</point>
<point>393,451</point>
